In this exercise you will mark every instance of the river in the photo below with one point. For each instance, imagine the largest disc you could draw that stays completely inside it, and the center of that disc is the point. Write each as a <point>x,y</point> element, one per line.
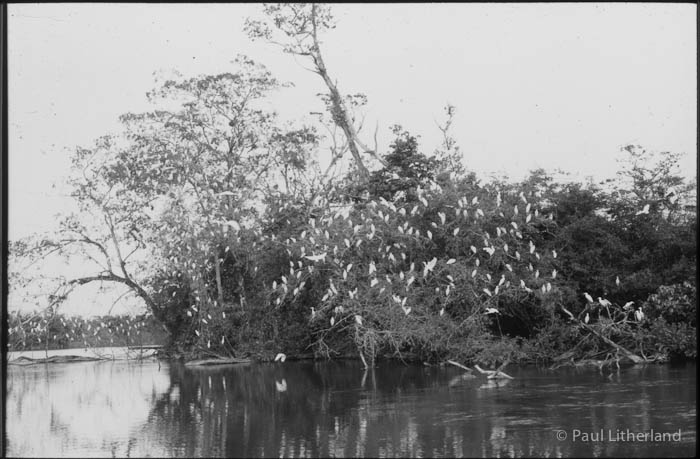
<point>307,409</point>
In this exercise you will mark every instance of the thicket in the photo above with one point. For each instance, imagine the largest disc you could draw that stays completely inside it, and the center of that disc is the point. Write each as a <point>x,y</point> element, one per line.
<point>410,268</point>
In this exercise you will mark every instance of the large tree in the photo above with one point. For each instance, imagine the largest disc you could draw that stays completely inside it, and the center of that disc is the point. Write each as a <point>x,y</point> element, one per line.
<point>168,197</point>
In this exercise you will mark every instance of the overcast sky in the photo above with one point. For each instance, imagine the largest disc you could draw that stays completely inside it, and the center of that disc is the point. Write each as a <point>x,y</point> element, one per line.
<point>535,85</point>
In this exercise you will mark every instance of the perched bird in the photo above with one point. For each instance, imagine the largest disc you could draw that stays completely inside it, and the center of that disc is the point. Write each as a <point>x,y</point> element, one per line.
<point>639,315</point>
<point>604,302</point>
<point>492,311</point>
<point>587,318</point>
<point>628,305</point>
<point>281,357</point>
<point>644,211</point>
<point>589,298</point>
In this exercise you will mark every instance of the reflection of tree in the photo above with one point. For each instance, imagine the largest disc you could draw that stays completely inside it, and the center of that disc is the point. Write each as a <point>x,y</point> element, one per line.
<point>325,411</point>
<point>335,409</point>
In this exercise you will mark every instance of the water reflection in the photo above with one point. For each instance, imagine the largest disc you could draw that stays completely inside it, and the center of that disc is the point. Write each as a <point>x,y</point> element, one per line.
<point>93,409</point>
<point>338,409</point>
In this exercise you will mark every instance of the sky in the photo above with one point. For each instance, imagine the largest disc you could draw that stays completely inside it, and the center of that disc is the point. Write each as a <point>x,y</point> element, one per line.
<point>559,86</point>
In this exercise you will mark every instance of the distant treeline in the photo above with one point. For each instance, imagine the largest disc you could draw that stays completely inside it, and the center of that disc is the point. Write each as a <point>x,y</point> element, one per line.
<point>40,331</point>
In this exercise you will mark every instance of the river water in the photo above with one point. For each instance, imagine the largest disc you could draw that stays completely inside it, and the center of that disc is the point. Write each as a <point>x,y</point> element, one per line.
<point>306,409</point>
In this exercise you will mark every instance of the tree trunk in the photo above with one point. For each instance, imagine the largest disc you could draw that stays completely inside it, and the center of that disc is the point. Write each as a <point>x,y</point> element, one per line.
<point>219,289</point>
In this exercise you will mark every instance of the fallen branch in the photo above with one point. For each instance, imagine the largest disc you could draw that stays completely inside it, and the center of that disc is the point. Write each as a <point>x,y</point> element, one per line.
<point>452,362</point>
<point>493,374</point>
<point>630,355</point>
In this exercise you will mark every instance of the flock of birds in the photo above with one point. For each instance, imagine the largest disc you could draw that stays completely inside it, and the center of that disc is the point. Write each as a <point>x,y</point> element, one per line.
<point>381,253</point>
<point>42,329</point>
<point>386,229</point>
<point>372,256</point>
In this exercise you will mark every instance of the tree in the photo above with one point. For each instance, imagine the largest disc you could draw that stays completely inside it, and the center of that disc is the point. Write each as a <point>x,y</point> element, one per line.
<point>299,26</point>
<point>164,202</point>
<point>406,169</point>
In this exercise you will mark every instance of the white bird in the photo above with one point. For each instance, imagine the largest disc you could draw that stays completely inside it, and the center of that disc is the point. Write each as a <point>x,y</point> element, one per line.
<point>492,311</point>
<point>589,298</point>
<point>358,319</point>
<point>316,257</point>
<point>645,210</point>
<point>587,318</point>
<point>280,357</point>
<point>617,281</point>
<point>604,302</point>
<point>628,305</point>
<point>281,386</point>
<point>429,266</point>
<point>639,315</point>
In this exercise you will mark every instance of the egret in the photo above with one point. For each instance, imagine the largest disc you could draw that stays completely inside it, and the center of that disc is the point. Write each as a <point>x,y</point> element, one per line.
<point>587,318</point>
<point>589,298</point>
<point>644,211</point>
<point>617,281</point>
<point>639,315</point>
<point>316,257</point>
<point>492,311</point>
<point>358,319</point>
<point>628,305</point>
<point>604,302</point>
